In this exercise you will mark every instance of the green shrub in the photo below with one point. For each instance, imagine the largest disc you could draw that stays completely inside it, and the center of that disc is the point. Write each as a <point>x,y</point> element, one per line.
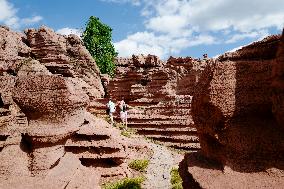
<point>127,183</point>
<point>176,180</point>
<point>139,164</point>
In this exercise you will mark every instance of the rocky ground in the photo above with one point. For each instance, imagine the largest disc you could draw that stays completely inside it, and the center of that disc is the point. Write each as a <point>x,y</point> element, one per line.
<point>158,172</point>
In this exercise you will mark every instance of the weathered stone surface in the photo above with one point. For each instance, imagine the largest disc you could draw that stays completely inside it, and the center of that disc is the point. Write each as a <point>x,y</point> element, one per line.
<point>232,103</point>
<point>47,138</point>
<point>232,111</point>
<point>146,61</point>
<point>278,84</point>
<point>47,95</point>
<point>160,96</point>
<point>65,55</point>
<point>54,106</point>
<point>102,150</point>
<point>13,49</point>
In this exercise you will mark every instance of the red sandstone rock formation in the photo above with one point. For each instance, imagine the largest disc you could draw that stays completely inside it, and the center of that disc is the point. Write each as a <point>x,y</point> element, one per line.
<point>67,56</point>
<point>12,49</point>
<point>47,138</point>
<point>278,84</point>
<point>160,94</point>
<point>241,135</point>
<point>146,61</point>
<point>33,152</point>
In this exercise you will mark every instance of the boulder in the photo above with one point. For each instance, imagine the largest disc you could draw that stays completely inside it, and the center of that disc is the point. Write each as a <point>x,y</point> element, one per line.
<point>238,122</point>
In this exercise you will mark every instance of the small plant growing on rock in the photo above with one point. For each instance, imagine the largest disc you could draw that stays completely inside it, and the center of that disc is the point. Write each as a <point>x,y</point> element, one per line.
<point>131,183</point>
<point>120,125</point>
<point>107,119</point>
<point>127,132</point>
<point>139,164</point>
<point>176,180</point>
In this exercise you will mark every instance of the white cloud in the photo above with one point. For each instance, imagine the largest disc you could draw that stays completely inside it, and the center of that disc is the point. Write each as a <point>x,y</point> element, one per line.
<point>215,15</point>
<point>133,2</point>
<point>203,40</point>
<point>32,20</point>
<point>67,31</point>
<point>240,36</point>
<point>160,45</point>
<point>12,22</point>
<point>141,43</point>
<point>8,13</point>
<point>167,24</point>
<point>8,16</point>
<point>6,10</point>
<point>177,24</point>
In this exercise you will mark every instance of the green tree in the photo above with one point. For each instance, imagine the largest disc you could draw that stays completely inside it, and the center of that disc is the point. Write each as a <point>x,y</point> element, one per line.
<point>97,39</point>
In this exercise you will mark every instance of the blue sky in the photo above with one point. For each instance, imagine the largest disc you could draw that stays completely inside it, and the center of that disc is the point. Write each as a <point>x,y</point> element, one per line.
<point>161,27</point>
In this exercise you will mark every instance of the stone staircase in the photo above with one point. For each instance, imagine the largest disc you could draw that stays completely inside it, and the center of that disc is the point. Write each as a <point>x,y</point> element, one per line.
<point>99,149</point>
<point>165,126</point>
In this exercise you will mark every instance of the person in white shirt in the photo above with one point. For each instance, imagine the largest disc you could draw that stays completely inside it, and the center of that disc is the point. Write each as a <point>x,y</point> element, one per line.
<point>123,112</point>
<point>110,109</point>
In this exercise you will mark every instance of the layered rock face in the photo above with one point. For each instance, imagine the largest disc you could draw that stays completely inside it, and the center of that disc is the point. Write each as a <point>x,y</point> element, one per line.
<point>47,138</point>
<point>159,94</point>
<point>278,84</point>
<point>65,56</point>
<point>33,151</point>
<point>238,111</point>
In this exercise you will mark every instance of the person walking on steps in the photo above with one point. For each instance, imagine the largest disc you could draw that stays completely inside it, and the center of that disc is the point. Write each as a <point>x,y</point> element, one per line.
<point>123,112</point>
<point>110,110</point>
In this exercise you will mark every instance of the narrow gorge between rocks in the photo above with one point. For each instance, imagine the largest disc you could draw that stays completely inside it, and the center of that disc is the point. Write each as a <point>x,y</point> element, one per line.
<point>220,121</point>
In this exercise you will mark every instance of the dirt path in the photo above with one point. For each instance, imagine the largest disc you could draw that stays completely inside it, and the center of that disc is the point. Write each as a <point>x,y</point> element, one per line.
<point>158,172</point>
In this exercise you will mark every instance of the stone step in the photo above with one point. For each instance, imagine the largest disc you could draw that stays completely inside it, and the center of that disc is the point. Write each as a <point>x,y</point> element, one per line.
<point>109,174</point>
<point>182,146</point>
<point>163,119</point>
<point>167,131</point>
<point>143,104</point>
<point>98,156</point>
<point>155,125</point>
<point>91,149</point>
<point>104,144</point>
<point>143,118</point>
<point>90,137</point>
<point>175,139</point>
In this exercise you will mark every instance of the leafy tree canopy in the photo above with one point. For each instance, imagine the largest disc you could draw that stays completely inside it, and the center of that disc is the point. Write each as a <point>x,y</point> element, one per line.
<point>97,39</point>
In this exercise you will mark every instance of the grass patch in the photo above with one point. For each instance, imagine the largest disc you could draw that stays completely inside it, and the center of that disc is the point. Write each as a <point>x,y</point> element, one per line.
<point>140,107</point>
<point>153,141</point>
<point>176,180</point>
<point>120,125</point>
<point>107,119</point>
<point>127,132</point>
<point>127,183</point>
<point>139,164</point>
<point>179,151</point>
